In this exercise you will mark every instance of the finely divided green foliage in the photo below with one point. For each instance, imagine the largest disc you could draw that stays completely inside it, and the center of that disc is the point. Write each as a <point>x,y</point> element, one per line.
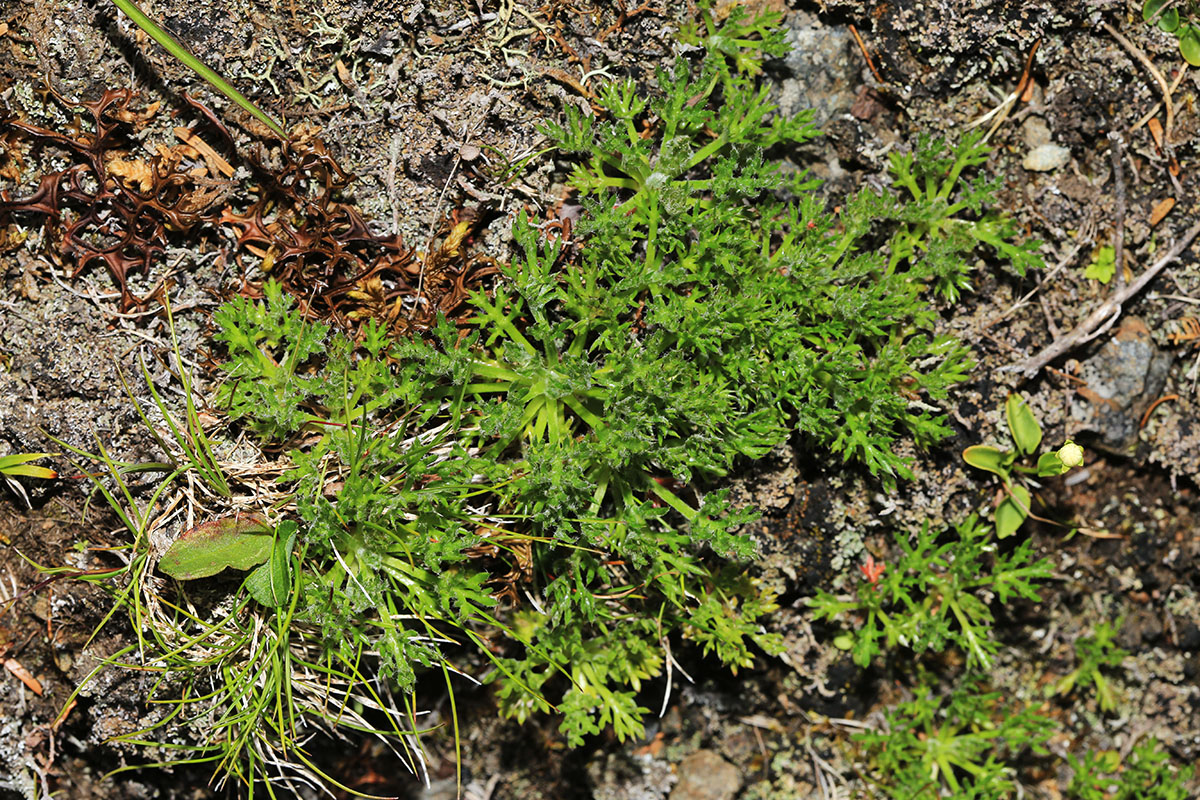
<point>702,250</point>
<point>1095,652</point>
<point>269,349</point>
<point>710,307</point>
<point>957,745</point>
<point>934,595</point>
<point>1145,774</point>
<point>931,232</point>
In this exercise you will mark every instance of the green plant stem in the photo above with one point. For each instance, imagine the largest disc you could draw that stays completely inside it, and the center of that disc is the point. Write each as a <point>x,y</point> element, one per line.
<point>180,52</point>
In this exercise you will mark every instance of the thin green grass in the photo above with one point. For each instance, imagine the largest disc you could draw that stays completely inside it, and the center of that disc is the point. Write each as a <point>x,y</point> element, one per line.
<point>178,51</point>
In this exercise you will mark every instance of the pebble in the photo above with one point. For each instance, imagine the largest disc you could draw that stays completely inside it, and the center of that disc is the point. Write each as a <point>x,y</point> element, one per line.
<point>1119,383</point>
<point>704,775</point>
<point>1046,157</point>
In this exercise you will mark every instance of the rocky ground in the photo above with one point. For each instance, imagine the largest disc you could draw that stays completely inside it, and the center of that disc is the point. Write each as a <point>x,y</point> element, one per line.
<point>433,106</point>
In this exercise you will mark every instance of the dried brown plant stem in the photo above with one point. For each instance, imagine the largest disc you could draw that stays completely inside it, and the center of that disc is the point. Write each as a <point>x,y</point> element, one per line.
<point>1137,53</point>
<point>1153,112</point>
<point>1117,151</point>
<point>1103,317</point>
<point>866,54</point>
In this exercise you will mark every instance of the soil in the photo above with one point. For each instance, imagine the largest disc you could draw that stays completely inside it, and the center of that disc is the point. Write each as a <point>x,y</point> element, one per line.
<point>428,104</point>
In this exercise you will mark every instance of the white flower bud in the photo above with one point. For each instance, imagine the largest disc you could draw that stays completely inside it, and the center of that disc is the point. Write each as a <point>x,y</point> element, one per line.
<point>1070,454</point>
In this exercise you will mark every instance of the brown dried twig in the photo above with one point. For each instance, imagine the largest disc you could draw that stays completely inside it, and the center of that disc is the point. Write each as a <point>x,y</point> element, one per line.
<point>1103,317</point>
<point>1145,61</point>
<point>1117,151</point>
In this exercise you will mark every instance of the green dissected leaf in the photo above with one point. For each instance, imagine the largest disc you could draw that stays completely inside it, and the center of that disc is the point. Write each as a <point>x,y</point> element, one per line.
<point>958,745</point>
<point>207,549</point>
<point>1012,511</point>
<point>981,456</point>
<point>271,583</point>
<point>1026,432</point>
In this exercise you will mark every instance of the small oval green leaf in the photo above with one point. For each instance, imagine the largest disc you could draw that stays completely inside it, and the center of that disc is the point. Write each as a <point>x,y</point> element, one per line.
<point>1169,21</point>
<point>1049,465</point>
<point>1150,8</point>
<point>843,641</point>
<point>1189,45</point>
<point>1012,511</point>
<point>1026,432</point>
<point>987,458</point>
<point>238,542</point>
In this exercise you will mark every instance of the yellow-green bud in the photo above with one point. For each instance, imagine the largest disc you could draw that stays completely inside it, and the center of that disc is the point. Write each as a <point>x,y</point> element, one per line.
<point>1070,454</point>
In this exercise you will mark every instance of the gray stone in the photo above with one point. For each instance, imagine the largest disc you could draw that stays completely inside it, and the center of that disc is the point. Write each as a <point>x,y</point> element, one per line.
<point>823,72</point>
<point>1120,382</point>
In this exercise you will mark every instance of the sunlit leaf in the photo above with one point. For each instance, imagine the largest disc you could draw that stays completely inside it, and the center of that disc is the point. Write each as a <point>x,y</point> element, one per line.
<point>1012,511</point>
<point>18,464</point>
<point>271,583</point>
<point>1026,432</point>
<point>988,458</point>
<point>240,543</point>
<point>1189,46</point>
<point>1049,465</point>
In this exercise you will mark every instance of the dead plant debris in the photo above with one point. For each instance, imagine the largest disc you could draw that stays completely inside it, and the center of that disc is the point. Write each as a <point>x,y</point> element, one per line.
<point>117,205</point>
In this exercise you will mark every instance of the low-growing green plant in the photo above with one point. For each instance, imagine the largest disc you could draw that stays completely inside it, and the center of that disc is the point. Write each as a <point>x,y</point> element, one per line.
<point>559,450</point>
<point>1178,18</point>
<point>1145,774</point>
<point>934,595</point>
<point>1014,505</point>
<point>1103,265</point>
<point>958,745</point>
<point>932,233</point>
<point>1094,653</point>
<point>709,307</point>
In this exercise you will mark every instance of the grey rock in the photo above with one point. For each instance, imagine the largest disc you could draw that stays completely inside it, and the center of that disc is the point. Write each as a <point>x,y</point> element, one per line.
<point>822,70</point>
<point>1046,158</point>
<point>1120,382</point>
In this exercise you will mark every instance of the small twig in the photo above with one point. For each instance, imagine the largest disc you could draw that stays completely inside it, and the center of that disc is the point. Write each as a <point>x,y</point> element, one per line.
<point>866,54</point>
<point>1165,8</point>
<point>1117,151</point>
<point>1136,52</point>
<point>1106,312</point>
<point>1153,112</point>
<point>1019,94</point>
<point>1051,325</point>
<point>393,194</point>
<point>1154,405</point>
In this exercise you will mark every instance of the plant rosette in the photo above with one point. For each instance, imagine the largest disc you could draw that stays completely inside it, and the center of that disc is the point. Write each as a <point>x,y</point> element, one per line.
<point>1013,507</point>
